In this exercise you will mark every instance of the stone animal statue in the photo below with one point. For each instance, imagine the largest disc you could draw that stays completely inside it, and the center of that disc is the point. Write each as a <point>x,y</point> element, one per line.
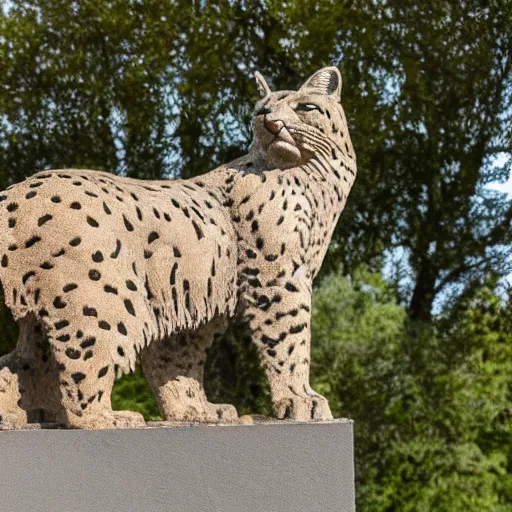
<point>98,270</point>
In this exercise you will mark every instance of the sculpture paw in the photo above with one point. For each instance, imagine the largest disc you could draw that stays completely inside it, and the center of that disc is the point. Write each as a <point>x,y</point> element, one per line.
<point>303,408</point>
<point>221,413</point>
<point>13,420</point>
<point>128,419</point>
<point>107,420</point>
<point>185,400</point>
<point>12,416</point>
<point>205,413</point>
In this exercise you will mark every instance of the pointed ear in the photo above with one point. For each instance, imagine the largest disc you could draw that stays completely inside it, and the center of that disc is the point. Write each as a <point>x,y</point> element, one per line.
<point>326,81</point>
<point>263,87</point>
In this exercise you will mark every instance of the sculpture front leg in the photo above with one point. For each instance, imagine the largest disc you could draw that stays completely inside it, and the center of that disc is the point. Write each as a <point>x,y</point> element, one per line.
<point>280,321</point>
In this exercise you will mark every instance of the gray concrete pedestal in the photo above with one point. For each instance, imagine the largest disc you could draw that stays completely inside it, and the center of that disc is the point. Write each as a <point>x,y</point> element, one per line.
<point>267,467</point>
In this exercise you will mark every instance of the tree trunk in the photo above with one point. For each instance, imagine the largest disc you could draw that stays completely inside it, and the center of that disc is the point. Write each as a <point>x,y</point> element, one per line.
<point>420,307</point>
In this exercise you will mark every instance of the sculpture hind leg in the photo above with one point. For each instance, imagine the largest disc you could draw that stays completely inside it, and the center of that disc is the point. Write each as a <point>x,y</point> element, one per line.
<point>37,373</point>
<point>30,379</point>
<point>51,381</point>
<point>86,371</point>
<point>174,368</point>
<point>86,388</point>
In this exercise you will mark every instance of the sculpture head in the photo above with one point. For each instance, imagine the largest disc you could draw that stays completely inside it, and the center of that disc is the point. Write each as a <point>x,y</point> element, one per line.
<point>290,127</point>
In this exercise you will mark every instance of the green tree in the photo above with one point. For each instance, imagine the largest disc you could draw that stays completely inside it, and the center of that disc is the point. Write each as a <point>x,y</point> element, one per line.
<point>164,88</point>
<point>431,406</point>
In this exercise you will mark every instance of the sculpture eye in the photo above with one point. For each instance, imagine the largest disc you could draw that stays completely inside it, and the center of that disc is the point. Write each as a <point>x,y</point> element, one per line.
<point>263,111</point>
<point>308,107</point>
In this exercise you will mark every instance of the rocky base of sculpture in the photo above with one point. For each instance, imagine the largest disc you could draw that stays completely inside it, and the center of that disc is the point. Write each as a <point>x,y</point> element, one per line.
<point>268,466</point>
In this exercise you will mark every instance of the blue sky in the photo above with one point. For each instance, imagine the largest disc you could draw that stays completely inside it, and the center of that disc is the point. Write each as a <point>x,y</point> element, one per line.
<point>504,187</point>
<point>507,186</point>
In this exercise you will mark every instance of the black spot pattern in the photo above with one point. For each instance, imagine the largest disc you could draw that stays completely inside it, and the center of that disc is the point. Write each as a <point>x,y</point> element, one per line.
<point>103,372</point>
<point>61,324</point>
<point>88,342</point>
<point>69,287</point>
<point>88,311</point>
<point>198,230</point>
<point>94,275</point>
<point>115,254</point>
<point>58,303</point>
<point>173,274</point>
<point>44,219</point>
<point>32,241</point>
<point>73,354</point>
<point>129,307</point>
<point>152,237</point>
<point>78,377</point>
<point>131,285</point>
<point>102,324</point>
<point>128,225</point>
<point>92,222</point>
<point>27,276</point>
<point>97,257</point>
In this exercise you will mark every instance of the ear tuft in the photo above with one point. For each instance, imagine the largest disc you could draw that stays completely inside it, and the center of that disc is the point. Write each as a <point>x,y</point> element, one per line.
<point>263,87</point>
<point>326,81</point>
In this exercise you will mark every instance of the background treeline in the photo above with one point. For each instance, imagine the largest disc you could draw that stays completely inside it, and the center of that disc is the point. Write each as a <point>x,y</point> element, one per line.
<point>413,319</point>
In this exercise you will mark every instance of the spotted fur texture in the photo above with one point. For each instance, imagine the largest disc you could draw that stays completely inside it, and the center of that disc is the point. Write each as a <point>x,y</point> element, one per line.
<point>99,269</point>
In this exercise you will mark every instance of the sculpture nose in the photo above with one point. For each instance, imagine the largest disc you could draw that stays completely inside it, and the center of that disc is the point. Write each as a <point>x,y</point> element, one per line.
<point>274,127</point>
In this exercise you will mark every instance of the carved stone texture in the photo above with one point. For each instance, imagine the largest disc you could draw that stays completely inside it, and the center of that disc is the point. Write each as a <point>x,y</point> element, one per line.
<point>98,269</point>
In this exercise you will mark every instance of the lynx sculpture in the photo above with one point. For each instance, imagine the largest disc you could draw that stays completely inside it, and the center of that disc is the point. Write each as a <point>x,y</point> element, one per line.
<point>99,269</point>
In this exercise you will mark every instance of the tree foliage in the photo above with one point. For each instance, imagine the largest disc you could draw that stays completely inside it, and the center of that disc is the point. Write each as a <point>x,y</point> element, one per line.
<point>431,405</point>
<point>164,88</point>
